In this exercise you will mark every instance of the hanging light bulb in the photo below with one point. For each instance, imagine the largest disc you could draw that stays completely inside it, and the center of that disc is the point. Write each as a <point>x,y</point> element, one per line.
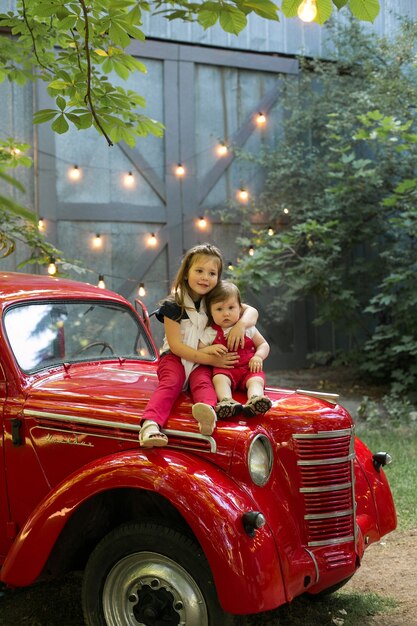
<point>251,251</point>
<point>101,282</point>
<point>152,240</point>
<point>261,119</point>
<point>180,170</point>
<point>41,224</point>
<point>286,211</point>
<point>243,195</point>
<point>97,241</point>
<point>270,231</point>
<point>202,223</point>
<point>230,266</point>
<point>75,173</point>
<point>222,149</point>
<point>307,10</point>
<point>52,269</point>
<point>129,179</point>
<point>142,290</point>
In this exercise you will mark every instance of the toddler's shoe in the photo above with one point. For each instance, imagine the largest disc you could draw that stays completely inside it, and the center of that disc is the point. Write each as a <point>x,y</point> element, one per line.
<point>205,416</point>
<point>256,405</point>
<point>227,408</point>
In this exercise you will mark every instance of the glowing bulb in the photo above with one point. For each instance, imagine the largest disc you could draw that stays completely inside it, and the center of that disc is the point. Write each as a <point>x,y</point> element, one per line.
<point>41,224</point>
<point>15,151</point>
<point>286,211</point>
<point>101,282</point>
<point>142,290</point>
<point>97,241</point>
<point>52,269</point>
<point>129,179</point>
<point>251,251</point>
<point>152,240</point>
<point>202,223</point>
<point>222,149</point>
<point>243,195</point>
<point>307,10</point>
<point>270,231</point>
<point>261,119</point>
<point>180,171</point>
<point>230,266</point>
<point>75,173</point>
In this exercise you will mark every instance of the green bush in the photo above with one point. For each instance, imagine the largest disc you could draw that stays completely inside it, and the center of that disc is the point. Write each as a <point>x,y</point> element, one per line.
<point>340,193</point>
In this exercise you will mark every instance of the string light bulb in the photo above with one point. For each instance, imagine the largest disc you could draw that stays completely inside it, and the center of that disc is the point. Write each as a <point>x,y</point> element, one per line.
<point>129,179</point>
<point>261,119</point>
<point>152,240</point>
<point>41,224</point>
<point>202,223</point>
<point>142,290</point>
<point>307,10</point>
<point>52,269</point>
<point>97,241</point>
<point>101,282</point>
<point>251,251</point>
<point>230,266</point>
<point>75,173</point>
<point>180,170</point>
<point>222,149</point>
<point>286,211</point>
<point>270,231</point>
<point>243,195</point>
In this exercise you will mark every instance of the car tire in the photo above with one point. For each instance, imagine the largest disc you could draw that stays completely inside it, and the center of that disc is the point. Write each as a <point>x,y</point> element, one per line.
<point>149,574</point>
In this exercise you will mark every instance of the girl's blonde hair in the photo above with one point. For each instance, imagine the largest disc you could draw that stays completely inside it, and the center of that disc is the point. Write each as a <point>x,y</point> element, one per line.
<point>180,285</point>
<point>222,291</point>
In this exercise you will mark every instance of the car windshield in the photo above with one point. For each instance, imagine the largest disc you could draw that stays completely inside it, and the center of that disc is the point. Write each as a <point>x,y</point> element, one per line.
<point>50,333</point>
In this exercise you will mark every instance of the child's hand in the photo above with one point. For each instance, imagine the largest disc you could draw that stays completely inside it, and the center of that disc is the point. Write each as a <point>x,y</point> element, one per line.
<point>236,336</point>
<point>256,364</point>
<point>227,360</point>
<point>215,349</point>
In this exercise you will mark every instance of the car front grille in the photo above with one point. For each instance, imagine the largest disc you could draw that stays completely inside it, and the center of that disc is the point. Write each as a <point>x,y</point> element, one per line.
<point>325,461</point>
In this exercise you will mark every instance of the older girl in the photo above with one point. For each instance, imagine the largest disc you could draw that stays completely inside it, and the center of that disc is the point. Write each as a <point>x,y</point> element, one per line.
<point>185,318</point>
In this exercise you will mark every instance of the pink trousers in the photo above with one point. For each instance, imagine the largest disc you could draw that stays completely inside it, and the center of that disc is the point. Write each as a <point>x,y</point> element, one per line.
<point>171,377</point>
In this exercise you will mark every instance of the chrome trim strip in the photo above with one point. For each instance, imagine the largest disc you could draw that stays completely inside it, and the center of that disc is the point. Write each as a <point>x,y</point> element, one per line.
<point>313,558</point>
<point>324,434</point>
<point>331,542</point>
<point>90,421</point>
<point>341,459</point>
<point>344,513</point>
<point>330,397</point>
<point>325,489</point>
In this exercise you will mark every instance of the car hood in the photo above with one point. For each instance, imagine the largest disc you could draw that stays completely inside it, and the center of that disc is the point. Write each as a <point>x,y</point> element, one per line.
<point>105,390</point>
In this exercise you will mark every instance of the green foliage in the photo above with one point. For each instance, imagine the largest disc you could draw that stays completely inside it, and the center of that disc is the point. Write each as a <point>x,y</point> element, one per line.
<point>18,224</point>
<point>340,192</point>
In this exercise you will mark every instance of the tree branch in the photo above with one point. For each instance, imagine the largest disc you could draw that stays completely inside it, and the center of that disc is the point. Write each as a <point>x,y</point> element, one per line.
<point>88,96</point>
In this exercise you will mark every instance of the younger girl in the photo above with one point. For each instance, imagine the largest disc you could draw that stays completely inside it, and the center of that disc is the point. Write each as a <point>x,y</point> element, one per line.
<point>184,316</point>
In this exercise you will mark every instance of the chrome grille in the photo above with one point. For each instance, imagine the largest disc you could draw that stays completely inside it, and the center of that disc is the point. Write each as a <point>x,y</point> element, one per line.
<point>325,461</point>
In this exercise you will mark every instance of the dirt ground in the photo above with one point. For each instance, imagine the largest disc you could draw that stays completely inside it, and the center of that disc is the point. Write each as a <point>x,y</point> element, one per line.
<point>389,568</point>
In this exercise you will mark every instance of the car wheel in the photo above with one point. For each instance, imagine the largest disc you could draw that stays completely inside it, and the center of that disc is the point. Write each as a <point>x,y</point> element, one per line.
<point>145,574</point>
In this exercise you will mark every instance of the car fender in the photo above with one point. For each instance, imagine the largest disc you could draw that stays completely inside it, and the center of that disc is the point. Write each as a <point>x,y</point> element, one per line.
<point>246,570</point>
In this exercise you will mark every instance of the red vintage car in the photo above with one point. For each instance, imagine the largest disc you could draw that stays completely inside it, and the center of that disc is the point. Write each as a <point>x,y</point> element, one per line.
<point>197,533</point>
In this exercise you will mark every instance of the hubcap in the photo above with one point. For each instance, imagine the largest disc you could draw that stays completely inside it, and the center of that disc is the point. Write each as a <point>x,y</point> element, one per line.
<point>149,589</point>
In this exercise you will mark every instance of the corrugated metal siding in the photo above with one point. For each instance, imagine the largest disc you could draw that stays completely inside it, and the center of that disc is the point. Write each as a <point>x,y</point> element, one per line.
<point>289,36</point>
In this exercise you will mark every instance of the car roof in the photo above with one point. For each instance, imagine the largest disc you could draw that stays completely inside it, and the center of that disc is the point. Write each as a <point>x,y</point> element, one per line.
<point>16,286</point>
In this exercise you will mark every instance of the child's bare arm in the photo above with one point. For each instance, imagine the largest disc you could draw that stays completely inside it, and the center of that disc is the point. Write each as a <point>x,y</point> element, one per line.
<point>262,351</point>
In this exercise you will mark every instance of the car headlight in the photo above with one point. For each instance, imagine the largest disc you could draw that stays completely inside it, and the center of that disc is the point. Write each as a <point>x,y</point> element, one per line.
<point>260,459</point>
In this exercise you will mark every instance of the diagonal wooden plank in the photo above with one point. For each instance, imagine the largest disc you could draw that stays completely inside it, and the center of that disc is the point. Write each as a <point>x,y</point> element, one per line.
<point>145,170</point>
<point>238,139</point>
<point>144,262</point>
